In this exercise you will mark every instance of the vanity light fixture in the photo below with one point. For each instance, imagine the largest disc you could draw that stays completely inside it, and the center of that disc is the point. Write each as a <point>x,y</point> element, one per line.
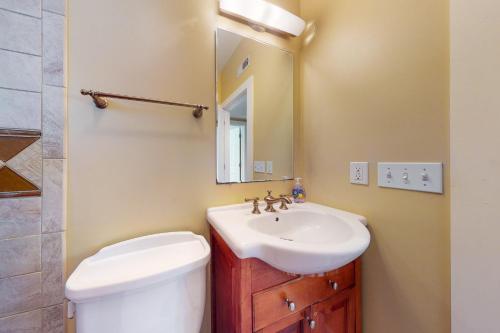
<point>261,13</point>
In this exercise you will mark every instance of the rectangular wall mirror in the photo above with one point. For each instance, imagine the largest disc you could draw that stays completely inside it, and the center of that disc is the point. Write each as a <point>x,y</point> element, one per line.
<point>254,110</point>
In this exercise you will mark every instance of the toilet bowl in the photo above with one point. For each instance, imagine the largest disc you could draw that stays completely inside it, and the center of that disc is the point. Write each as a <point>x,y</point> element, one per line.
<point>151,284</point>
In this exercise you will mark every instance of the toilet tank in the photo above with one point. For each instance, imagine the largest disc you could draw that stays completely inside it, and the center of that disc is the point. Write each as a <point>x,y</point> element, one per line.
<point>151,284</point>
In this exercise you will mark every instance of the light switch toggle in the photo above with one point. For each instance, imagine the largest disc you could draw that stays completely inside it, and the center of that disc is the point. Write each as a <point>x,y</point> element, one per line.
<point>405,177</point>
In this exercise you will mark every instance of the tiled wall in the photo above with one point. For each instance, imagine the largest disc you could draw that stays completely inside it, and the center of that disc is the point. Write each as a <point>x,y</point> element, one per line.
<point>32,229</point>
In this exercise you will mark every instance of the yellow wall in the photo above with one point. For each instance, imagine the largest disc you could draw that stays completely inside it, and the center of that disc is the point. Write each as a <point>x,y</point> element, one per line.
<point>475,157</point>
<point>272,72</point>
<point>374,75</point>
<point>375,88</point>
<point>139,168</point>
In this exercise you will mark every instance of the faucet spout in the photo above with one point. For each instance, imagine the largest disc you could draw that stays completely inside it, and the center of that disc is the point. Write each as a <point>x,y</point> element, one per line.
<point>270,200</point>
<point>285,199</point>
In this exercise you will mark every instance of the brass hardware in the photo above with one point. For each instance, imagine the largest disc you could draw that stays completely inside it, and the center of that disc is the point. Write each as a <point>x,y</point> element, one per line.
<point>255,205</point>
<point>334,285</point>
<point>312,323</point>
<point>198,111</point>
<point>270,200</point>
<point>290,304</point>
<point>102,103</point>
<point>285,199</point>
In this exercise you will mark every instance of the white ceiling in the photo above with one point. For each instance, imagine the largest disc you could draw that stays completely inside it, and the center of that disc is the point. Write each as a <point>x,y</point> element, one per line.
<point>227,42</point>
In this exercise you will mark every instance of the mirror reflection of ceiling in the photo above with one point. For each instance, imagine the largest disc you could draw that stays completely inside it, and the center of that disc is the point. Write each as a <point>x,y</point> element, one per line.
<point>227,44</point>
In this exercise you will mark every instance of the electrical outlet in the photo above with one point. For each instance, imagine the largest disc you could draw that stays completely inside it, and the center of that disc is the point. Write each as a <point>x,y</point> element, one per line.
<point>359,173</point>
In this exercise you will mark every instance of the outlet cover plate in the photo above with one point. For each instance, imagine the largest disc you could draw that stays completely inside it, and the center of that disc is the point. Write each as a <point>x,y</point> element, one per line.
<point>423,177</point>
<point>359,173</point>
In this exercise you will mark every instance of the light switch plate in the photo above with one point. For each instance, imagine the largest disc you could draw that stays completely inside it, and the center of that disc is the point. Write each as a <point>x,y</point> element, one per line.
<point>259,166</point>
<point>424,177</point>
<point>269,166</point>
<point>359,173</point>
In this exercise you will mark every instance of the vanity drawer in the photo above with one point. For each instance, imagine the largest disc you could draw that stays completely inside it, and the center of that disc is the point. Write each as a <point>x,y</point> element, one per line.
<point>269,305</point>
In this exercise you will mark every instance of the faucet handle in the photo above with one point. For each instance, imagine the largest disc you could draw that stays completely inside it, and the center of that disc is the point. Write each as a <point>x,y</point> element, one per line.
<point>255,204</point>
<point>269,195</point>
<point>269,199</point>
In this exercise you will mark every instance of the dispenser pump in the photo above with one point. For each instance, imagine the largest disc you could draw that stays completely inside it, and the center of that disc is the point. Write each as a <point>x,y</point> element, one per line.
<point>298,193</point>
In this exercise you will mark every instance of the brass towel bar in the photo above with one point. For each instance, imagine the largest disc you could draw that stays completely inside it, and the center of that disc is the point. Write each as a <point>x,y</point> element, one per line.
<point>101,103</point>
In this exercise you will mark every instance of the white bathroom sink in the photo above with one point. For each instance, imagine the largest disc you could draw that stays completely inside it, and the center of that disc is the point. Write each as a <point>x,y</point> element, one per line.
<point>306,239</point>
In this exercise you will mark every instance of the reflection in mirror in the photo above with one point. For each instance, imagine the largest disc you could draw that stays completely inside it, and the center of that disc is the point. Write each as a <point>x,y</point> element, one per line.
<point>254,110</point>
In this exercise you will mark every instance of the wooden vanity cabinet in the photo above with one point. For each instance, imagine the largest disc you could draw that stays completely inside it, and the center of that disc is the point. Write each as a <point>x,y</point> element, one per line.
<point>249,296</point>
<point>297,322</point>
<point>336,314</point>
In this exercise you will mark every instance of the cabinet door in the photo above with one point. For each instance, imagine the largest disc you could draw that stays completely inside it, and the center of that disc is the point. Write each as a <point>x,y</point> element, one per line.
<point>295,323</point>
<point>336,314</point>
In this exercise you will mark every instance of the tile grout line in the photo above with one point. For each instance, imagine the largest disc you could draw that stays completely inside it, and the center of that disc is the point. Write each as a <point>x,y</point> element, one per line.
<point>52,12</point>
<point>23,90</point>
<point>37,309</point>
<point>54,86</point>
<point>21,52</point>
<point>23,14</point>
<point>27,236</point>
<point>42,90</point>
<point>42,118</point>
<point>53,232</point>
<point>19,275</point>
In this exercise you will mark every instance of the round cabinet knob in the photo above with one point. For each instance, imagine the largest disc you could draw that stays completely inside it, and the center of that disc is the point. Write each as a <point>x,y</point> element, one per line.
<point>312,324</point>
<point>290,304</point>
<point>334,285</point>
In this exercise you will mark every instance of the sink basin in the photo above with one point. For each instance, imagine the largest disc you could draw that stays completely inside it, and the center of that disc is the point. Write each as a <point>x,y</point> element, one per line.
<point>306,239</point>
<point>305,227</point>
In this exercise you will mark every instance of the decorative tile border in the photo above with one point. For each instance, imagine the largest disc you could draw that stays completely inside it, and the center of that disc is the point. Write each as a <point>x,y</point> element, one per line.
<point>20,163</point>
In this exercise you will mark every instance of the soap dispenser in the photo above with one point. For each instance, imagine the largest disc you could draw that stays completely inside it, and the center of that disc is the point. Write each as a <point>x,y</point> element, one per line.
<point>298,192</point>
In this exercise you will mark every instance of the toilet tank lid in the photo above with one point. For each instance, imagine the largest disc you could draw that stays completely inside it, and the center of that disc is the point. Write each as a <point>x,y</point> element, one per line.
<point>137,263</point>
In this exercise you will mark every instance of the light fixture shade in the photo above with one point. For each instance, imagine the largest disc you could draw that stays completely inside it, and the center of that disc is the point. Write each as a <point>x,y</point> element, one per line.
<point>263,13</point>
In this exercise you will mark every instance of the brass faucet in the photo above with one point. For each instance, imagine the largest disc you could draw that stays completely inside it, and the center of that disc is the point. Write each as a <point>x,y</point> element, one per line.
<point>270,200</point>
<point>255,205</point>
<point>286,199</point>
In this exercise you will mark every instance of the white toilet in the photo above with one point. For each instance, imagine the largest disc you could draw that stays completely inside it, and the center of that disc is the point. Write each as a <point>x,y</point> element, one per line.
<point>151,284</point>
